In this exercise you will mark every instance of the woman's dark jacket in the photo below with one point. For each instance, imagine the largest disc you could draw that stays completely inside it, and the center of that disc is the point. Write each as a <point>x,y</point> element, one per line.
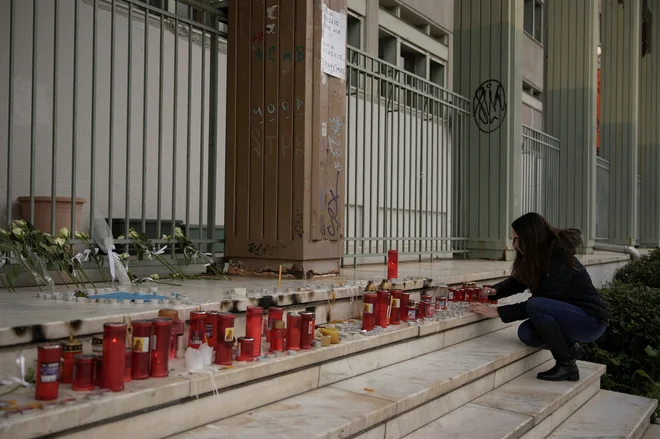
<point>562,282</point>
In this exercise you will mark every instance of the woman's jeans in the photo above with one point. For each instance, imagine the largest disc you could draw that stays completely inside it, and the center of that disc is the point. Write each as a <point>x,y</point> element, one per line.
<point>575,323</point>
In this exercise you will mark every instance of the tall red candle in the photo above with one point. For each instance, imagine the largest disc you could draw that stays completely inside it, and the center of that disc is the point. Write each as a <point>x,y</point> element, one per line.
<point>293,322</point>
<point>382,308</point>
<point>128,370</point>
<point>274,313</point>
<point>197,329</point>
<point>277,336</point>
<point>141,349</point>
<point>306,329</point>
<point>114,346</point>
<point>403,306</point>
<point>48,371</point>
<point>395,301</point>
<point>98,369</point>
<point>209,325</point>
<point>69,350</point>
<point>369,311</point>
<point>224,336</point>
<point>392,264</point>
<point>160,344</point>
<point>254,318</point>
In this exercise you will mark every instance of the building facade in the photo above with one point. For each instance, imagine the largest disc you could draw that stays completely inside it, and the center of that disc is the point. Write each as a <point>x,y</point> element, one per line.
<point>451,119</point>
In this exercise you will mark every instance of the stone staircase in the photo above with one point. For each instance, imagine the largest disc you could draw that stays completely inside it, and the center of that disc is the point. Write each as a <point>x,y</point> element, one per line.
<point>437,379</point>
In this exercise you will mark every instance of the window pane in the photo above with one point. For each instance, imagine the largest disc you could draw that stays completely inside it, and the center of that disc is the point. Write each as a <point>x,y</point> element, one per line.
<point>538,22</point>
<point>437,73</point>
<point>354,36</point>
<point>529,17</point>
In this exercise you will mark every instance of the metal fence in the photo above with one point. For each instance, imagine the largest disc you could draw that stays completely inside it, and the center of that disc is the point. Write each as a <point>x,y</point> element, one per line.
<point>602,199</point>
<point>540,173</point>
<point>116,102</point>
<point>405,163</point>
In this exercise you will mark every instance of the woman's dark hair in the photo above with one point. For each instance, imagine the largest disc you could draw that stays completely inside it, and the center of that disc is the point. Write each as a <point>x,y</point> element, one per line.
<point>538,241</point>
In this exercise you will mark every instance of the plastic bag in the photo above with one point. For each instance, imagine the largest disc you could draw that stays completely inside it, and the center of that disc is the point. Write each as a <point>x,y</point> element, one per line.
<point>105,241</point>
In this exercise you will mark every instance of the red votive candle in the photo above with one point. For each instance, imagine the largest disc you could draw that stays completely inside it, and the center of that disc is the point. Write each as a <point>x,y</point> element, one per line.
<point>114,354</point>
<point>293,322</point>
<point>197,329</point>
<point>277,334</point>
<point>69,350</point>
<point>177,328</point>
<point>48,371</point>
<point>83,375</point>
<point>141,353</point>
<point>245,349</point>
<point>392,264</point>
<point>369,311</point>
<point>424,310</point>
<point>98,369</point>
<point>224,338</point>
<point>128,370</point>
<point>254,318</point>
<point>160,345</point>
<point>209,325</point>
<point>382,308</point>
<point>395,301</point>
<point>412,311</point>
<point>306,329</point>
<point>403,306</point>
<point>274,313</point>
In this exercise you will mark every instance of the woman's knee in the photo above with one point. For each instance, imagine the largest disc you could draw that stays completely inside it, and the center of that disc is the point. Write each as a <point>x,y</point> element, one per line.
<point>534,305</point>
<point>528,335</point>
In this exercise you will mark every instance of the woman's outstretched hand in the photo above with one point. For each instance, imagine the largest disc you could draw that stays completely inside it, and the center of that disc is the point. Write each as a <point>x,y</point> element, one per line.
<point>487,291</point>
<point>484,310</point>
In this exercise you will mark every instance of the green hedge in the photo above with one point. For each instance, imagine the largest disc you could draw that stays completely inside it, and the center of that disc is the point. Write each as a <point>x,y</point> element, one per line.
<point>646,271</point>
<point>630,348</point>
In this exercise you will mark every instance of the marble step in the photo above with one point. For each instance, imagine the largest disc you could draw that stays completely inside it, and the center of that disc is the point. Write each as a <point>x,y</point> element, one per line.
<point>522,408</point>
<point>397,399</point>
<point>653,432</point>
<point>305,371</point>
<point>609,414</point>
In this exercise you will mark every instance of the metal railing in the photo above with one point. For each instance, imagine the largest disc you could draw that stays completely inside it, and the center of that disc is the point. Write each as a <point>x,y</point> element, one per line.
<point>114,101</point>
<point>540,173</point>
<point>405,163</point>
<point>602,199</point>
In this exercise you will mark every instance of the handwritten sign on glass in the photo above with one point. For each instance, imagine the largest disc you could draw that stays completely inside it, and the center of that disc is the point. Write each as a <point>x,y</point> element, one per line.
<point>333,43</point>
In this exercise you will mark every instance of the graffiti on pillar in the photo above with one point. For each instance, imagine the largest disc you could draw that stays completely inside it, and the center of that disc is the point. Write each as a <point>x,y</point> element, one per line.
<point>334,134</point>
<point>490,106</point>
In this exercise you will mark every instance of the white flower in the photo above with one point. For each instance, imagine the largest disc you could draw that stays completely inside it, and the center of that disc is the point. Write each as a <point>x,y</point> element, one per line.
<point>155,276</point>
<point>64,232</point>
<point>166,237</point>
<point>82,235</point>
<point>124,256</point>
<point>121,237</point>
<point>4,232</point>
<point>178,233</point>
<point>133,234</point>
<point>18,232</point>
<point>60,241</point>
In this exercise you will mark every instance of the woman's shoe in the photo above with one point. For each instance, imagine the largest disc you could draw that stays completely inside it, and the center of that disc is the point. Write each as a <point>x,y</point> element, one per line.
<point>562,371</point>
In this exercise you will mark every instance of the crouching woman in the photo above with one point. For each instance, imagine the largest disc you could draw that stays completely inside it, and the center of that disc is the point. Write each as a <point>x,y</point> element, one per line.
<point>565,308</point>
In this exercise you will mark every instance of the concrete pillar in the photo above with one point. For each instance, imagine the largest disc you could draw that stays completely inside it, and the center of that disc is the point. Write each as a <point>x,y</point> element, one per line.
<point>285,140</point>
<point>649,126</point>
<point>620,62</point>
<point>371,27</point>
<point>487,43</point>
<point>570,108</point>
